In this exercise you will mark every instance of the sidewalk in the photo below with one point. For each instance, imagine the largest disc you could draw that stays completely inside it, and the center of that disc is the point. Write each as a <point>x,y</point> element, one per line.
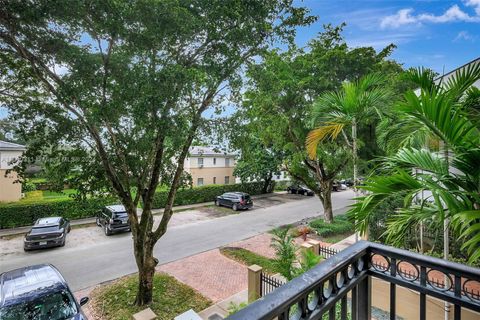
<point>77,222</point>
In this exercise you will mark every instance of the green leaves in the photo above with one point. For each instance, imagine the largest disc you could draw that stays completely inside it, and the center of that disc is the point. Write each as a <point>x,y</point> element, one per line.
<point>435,185</point>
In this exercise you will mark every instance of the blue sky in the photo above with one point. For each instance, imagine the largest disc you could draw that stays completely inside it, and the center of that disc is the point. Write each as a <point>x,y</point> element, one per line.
<point>437,34</point>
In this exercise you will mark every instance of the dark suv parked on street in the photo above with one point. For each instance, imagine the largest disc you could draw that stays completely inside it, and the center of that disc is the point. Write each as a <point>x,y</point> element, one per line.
<point>235,200</point>
<point>113,219</point>
<point>46,233</point>
<point>298,189</point>
<point>37,292</point>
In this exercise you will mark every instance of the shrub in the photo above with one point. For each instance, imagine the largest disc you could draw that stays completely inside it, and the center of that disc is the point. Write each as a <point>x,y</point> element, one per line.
<point>281,185</point>
<point>340,225</point>
<point>19,214</point>
<point>28,186</point>
<point>205,193</point>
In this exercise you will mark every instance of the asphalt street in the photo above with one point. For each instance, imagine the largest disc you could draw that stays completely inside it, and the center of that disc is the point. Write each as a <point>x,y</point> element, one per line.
<point>85,266</point>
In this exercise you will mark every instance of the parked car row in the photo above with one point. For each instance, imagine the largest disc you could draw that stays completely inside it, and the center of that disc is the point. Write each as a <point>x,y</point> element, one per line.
<point>52,231</point>
<point>38,292</point>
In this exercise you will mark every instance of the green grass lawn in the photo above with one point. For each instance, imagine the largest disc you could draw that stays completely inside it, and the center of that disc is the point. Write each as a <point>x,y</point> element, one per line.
<point>248,258</point>
<point>170,298</point>
<point>47,195</point>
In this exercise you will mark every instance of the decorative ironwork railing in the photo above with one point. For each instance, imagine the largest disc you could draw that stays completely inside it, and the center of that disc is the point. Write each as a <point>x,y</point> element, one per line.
<point>318,291</point>
<point>268,284</point>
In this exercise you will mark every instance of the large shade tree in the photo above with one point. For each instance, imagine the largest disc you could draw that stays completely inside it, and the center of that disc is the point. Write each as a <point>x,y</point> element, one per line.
<point>436,184</point>
<point>282,89</point>
<point>121,87</point>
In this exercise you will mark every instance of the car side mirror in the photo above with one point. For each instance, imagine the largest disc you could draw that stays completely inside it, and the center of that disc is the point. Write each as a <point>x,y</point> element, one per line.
<point>83,301</point>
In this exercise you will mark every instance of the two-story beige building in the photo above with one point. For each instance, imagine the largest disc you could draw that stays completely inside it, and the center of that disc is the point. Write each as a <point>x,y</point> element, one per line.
<point>10,189</point>
<point>208,166</point>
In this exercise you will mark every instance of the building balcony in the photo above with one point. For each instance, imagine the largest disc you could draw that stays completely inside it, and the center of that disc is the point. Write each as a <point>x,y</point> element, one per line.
<point>341,286</point>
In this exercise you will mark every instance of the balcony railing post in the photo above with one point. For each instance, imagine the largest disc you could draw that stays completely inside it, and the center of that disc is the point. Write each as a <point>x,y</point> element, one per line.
<point>254,282</point>
<point>364,295</point>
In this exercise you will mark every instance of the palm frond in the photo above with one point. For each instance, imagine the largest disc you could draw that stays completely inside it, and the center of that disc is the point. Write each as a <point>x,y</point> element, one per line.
<point>462,80</point>
<point>317,135</point>
<point>422,77</point>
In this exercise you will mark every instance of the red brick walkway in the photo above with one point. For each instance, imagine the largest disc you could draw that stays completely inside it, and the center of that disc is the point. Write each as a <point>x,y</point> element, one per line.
<point>211,273</point>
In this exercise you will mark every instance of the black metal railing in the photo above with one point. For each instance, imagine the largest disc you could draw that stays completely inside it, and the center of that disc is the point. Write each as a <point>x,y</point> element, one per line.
<point>268,284</point>
<point>324,289</point>
<point>326,252</point>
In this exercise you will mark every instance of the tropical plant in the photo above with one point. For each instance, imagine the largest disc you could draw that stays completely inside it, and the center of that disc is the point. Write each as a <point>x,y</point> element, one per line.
<point>434,185</point>
<point>286,260</point>
<point>285,252</point>
<point>357,102</point>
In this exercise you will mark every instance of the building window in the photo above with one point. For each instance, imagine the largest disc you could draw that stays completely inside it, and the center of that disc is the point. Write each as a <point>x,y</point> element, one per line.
<point>227,179</point>
<point>227,162</point>
<point>214,161</point>
<point>200,182</point>
<point>278,176</point>
<point>214,180</point>
<point>200,162</point>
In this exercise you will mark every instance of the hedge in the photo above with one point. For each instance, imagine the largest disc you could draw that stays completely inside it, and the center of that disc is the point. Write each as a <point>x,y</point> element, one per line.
<point>205,193</point>
<point>340,225</point>
<point>19,214</point>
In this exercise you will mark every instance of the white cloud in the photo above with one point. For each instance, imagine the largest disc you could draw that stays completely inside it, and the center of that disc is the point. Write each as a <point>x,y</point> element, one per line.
<point>402,17</point>
<point>475,4</point>
<point>464,35</point>
<point>454,13</point>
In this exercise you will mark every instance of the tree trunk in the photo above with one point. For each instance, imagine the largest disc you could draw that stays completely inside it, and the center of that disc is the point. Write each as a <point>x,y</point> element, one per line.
<point>354,151</point>
<point>146,270</point>
<point>266,184</point>
<point>327,203</point>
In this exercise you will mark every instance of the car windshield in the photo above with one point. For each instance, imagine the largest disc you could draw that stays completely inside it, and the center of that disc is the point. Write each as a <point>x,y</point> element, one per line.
<point>40,229</point>
<point>246,198</point>
<point>57,306</point>
<point>120,214</point>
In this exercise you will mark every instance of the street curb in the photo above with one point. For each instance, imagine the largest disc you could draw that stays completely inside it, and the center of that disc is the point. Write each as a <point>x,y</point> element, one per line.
<point>77,222</point>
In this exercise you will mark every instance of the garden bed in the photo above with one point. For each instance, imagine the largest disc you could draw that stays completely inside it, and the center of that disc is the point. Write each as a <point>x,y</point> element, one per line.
<point>114,301</point>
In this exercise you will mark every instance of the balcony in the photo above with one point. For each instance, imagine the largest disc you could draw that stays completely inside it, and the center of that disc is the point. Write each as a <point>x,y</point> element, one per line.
<point>341,287</point>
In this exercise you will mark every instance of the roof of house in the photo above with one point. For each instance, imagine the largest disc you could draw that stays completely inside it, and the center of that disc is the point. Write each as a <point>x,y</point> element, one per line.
<point>9,146</point>
<point>448,74</point>
<point>207,151</point>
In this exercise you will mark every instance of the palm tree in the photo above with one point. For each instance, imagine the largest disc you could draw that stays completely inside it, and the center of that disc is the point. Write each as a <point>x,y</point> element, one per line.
<point>450,179</point>
<point>356,103</point>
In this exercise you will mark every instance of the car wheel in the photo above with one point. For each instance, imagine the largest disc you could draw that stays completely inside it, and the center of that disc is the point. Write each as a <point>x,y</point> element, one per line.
<point>235,207</point>
<point>107,232</point>
<point>69,229</point>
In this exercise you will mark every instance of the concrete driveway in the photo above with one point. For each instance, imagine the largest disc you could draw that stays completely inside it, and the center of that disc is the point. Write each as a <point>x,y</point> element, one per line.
<point>90,258</point>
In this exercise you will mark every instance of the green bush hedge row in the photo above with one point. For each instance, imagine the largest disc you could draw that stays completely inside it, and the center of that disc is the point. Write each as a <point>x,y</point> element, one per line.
<point>205,193</point>
<point>25,213</point>
<point>340,225</point>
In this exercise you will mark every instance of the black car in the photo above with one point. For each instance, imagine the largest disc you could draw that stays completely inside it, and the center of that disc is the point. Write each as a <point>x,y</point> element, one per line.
<point>235,200</point>
<point>113,219</point>
<point>37,292</point>
<point>46,233</point>
<point>298,189</point>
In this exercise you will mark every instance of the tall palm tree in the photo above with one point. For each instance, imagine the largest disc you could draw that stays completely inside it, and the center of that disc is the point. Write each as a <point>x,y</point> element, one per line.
<point>449,179</point>
<point>356,103</point>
